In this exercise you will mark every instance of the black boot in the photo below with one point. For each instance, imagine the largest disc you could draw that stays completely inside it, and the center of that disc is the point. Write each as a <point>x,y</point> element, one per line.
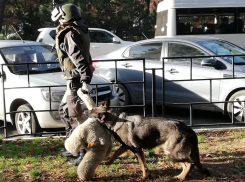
<point>68,154</point>
<point>77,161</point>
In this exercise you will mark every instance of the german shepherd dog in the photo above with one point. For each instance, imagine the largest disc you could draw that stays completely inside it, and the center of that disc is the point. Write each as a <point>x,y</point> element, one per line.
<point>177,139</point>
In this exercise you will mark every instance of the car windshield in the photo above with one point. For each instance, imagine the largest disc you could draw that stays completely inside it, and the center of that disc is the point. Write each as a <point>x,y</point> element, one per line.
<point>35,55</point>
<point>224,48</point>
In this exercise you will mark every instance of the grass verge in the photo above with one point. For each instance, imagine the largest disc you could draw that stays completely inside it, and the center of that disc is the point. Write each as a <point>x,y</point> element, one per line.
<point>221,151</point>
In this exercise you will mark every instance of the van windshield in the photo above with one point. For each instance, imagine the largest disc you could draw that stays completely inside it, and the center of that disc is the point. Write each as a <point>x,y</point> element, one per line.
<point>31,58</point>
<point>224,48</point>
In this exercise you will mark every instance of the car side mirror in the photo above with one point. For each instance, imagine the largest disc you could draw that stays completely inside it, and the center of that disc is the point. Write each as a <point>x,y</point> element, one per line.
<point>115,40</point>
<point>208,62</point>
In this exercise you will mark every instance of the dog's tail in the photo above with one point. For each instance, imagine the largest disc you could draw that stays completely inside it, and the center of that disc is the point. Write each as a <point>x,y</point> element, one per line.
<point>196,160</point>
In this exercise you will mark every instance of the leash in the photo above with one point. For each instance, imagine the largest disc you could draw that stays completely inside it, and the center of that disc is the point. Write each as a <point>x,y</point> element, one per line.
<point>115,135</point>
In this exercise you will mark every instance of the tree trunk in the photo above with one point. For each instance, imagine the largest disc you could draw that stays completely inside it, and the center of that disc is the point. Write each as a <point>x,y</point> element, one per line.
<point>147,6</point>
<point>2,5</point>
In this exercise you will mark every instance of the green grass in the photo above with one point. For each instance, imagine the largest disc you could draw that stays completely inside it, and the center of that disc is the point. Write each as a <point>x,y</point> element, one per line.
<point>201,138</point>
<point>40,160</point>
<point>238,134</point>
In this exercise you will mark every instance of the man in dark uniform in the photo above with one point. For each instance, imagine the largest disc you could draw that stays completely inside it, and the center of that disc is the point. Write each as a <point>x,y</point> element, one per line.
<point>72,45</point>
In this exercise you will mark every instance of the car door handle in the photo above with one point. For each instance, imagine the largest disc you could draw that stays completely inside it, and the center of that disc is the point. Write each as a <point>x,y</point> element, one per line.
<point>95,46</point>
<point>127,65</point>
<point>172,71</point>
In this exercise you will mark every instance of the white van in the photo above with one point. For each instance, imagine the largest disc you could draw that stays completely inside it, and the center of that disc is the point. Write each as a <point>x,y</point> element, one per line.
<point>220,18</point>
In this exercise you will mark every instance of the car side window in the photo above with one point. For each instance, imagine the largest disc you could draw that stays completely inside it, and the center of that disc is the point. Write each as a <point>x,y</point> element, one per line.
<point>181,50</point>
<point>151,52</point>
<point>52,34</point>
<point>100,36</point>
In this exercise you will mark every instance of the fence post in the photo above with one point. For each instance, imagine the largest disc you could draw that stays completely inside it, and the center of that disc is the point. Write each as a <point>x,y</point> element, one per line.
<point>153,93</point>
<point>49,91</point>
<point>116,71</point>
<point>144,88</point>
<point>163,89</point>
<point>191,122</point>
<point>211,96</point>
<point>191,70</point>
<point>4,108</point>
<point>232,119</point>
<point>233,71</point>
<point>96,87</point>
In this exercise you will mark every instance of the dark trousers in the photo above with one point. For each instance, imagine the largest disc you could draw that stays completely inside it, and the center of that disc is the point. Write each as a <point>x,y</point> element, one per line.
<point>70,108</point>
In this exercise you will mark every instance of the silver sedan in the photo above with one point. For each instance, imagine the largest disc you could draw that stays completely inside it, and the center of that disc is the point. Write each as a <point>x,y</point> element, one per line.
<point>153,50</point>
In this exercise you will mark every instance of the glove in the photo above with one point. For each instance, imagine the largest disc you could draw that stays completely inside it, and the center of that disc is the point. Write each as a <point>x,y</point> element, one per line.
<point>86,88</point>
<point>86,98</point>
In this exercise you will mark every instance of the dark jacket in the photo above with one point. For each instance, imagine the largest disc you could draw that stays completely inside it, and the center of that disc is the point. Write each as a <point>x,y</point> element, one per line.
<point>72,45</point>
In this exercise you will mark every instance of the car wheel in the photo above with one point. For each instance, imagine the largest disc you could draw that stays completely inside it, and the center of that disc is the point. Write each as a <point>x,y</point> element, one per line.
<point>239,106</point>
<point>24,120</point>
<point>123,95</point>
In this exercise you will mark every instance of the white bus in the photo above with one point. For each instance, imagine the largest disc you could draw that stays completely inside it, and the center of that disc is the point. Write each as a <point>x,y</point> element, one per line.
<point>217,18</point>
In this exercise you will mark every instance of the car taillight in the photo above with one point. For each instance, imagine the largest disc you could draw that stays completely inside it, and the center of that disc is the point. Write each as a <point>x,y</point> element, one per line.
<point>96,64</point>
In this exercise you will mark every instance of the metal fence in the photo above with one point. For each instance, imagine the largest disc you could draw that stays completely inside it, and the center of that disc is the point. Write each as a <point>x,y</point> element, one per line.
<point>143,82</point>
<point>2,75</point>
<point>191,104</point>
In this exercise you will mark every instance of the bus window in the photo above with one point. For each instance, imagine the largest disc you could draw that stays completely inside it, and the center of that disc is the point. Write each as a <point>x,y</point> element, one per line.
<point>222,19</point>
<point>241,20</point>
<point>206,21</point>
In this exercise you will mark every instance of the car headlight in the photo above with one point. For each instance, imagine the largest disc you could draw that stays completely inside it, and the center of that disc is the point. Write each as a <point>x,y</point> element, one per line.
<point>55,96</point>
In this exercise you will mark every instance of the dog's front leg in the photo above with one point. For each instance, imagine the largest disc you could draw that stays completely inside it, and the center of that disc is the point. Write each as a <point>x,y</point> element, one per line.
<point>118,152</point>
<point>141,158</point>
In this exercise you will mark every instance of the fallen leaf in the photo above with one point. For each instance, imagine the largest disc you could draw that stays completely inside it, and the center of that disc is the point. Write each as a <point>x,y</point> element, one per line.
<point>52,147</point>
<point>22,154</point>
<point>90,145</point>
<point>28,167</point>
<point>31,153</point>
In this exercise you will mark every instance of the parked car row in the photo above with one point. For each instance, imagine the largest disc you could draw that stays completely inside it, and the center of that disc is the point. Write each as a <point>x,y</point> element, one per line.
<point>153,50</point>
<point>26,99</point>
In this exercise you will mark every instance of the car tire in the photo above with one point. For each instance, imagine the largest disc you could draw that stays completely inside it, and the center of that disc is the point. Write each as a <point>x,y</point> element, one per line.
<point>24,120</point>
<point>123,95</point>
<point>239,107</point>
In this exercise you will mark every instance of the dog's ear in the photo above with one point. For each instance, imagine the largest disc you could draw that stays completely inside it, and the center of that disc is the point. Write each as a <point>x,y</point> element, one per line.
<point>107,103</point>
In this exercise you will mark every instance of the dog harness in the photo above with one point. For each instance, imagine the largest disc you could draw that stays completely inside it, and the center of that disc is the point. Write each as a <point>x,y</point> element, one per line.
<point>115,135</point>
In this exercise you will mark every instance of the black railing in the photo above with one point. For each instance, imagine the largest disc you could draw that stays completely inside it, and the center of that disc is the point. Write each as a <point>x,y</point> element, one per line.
<point>4,127</point>
<point>153,101</point>
<point>191,79</point>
